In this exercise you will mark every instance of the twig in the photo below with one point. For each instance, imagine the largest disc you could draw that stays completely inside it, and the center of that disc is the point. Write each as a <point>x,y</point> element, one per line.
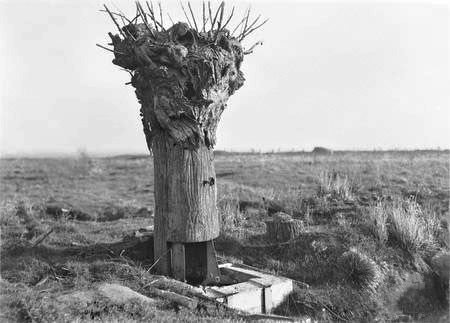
<point>140,12</point>
<point>42,237</point>
<point>144,18</point>
<point>117,14</point>
<point>204,17</point>
<point>170,19</point>
<point>161,16</point>
<point>244,29</point>
<point>236,28</point>
<point>252,30</point>
<point>221,8</point>
<point>185,14</point>
<point>229,19</point>
<point>193,17</point>
<point>152,15</point>
<point>114,20</point>
<point>109,49</point>
<point>250,50</point>
<point>210,15</point>
<point>253,23</point>
<point>157,260</point>
<point>217,12</point>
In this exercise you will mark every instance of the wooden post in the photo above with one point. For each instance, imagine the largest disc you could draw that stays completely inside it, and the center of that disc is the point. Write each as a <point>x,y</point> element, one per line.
<point>178,261</point>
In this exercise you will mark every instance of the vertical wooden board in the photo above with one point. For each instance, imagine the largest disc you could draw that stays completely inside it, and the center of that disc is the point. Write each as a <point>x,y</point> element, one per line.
<point>161,255</point>
<point>195,255</point>
<point>178,261</point>
<point>212,268</point>
<point>267,302</point>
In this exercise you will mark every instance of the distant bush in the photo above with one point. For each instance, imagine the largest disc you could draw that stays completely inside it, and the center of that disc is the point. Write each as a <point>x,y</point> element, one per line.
<point>335,185</point>
<point>360,270</point>
<point>322,151</point>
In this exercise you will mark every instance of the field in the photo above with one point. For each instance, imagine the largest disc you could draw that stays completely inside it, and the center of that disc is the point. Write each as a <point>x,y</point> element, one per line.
<point>374,225</point>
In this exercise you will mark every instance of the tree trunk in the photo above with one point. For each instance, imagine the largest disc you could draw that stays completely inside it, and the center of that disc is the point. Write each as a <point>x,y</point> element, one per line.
<point>185,195</point>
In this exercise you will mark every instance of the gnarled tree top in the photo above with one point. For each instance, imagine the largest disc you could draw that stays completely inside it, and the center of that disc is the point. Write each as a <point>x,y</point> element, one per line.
<point>184,74</point>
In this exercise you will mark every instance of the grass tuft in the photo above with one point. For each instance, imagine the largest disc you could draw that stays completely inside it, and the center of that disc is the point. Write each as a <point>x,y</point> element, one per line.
<point>360,270</point>
<point>335,185</point>
<point>231,218</point>
<point>404,221</point>
<point>412,228</point>
<point>377,222</point>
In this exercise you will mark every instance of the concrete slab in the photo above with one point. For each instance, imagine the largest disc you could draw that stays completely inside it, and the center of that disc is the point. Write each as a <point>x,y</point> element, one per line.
<point>255,292</point>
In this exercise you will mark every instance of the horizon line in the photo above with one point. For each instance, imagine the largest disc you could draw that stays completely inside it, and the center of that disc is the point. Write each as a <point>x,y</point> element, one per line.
<point>100,154</point>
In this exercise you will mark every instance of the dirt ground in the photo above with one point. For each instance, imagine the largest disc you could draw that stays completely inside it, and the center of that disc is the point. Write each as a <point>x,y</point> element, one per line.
<point>344,269</point>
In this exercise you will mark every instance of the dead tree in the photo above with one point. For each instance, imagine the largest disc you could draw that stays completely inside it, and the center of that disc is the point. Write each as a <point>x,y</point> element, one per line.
<point>183,76</point>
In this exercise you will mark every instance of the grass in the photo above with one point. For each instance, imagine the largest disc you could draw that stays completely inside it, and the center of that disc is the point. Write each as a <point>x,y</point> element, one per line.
<point>377,221</point>
<point>360,270</point>
<point>408,224</point>
<point>348,200</point>
<point>335,185</point>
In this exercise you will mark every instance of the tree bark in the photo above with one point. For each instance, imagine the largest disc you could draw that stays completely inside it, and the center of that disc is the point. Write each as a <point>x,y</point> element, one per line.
<point>185,195</point>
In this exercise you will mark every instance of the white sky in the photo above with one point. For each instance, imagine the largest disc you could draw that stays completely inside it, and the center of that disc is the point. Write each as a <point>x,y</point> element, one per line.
<point>346,75</point>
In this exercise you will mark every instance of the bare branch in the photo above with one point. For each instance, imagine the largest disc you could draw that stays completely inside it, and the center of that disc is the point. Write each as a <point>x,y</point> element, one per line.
<point>109,49</point>
<point>239,24</point>
<point>141,12</point>
<point>185,14</point>
<point>210,15</point>
<point>161,16</point>
<point>251,25</point>
<point>215,16</point>
<point>229,18</point>
<point>244,29</point>
<point>152,15</point>
<point>252,30</point>
<point>250,50</point>
<point>193,17</point>
<point>170,18</point>
<point>222,8</point>
<point>144,18</point>
<point>204,17</point>
<point>117,14</point>
<point>114,20</point>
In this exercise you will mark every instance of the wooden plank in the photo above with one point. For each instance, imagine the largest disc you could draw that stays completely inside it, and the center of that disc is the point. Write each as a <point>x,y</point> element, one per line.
<point>188,302</point>
<point>178,261</point>
<point>212,267</point>
<point>267,301</point>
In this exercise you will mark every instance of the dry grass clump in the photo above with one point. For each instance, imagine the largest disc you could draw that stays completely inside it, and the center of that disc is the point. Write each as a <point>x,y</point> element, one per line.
<point>407,223</point>
<point>377,222</point>
<point>231,218</point>
<point>360,270</point>
<point>335,185</point>
<point>412,228</point>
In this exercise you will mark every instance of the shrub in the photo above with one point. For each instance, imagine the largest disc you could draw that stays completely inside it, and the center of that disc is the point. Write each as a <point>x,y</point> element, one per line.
<point>360,270</point>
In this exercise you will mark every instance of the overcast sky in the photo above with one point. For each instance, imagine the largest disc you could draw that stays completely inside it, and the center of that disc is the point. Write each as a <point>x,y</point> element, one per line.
<point>346,75</point>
